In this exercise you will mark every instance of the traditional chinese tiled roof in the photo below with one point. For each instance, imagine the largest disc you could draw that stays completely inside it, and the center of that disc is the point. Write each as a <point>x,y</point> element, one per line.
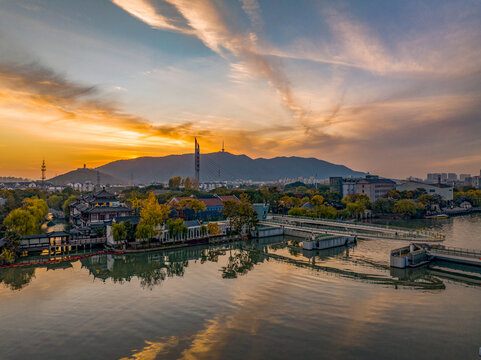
<point>104,194</point>
<point>107,209</point>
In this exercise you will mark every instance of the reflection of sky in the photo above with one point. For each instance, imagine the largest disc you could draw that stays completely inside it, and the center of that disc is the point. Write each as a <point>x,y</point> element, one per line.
<point>348,82</point>
<point>275,310</point>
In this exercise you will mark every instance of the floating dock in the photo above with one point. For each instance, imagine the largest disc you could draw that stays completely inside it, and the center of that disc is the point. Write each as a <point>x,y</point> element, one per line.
<point>419,254</point>
<point>321,242</point>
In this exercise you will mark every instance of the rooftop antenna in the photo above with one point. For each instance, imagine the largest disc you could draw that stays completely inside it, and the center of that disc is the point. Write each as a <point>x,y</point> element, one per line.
<point>43,168</point>
<point>223,146</point>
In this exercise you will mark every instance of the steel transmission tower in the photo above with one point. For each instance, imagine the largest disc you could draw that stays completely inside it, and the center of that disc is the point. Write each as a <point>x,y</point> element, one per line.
<point>197,161</point>
<point>43,168</point>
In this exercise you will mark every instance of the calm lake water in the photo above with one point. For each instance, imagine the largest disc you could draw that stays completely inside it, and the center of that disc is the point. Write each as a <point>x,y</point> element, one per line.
<point>258,300</point>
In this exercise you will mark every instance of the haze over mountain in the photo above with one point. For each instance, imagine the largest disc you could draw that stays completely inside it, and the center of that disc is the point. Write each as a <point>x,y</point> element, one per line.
<point>82,175</point>
<point>221,166</point>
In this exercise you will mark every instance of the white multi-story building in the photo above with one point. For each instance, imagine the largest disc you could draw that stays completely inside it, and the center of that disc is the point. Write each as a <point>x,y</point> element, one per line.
<point>443,190</point>
<point>374,187</point>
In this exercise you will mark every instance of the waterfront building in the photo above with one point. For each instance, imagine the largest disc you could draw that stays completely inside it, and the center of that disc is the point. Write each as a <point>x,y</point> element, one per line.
<point>443,190</point>
<point>97,208</point>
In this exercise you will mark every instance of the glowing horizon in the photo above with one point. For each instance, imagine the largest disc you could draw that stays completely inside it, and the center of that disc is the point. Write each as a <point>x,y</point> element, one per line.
<point>392,88</point>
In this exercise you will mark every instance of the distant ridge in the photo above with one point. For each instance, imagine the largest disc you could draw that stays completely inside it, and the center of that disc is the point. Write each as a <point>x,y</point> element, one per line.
<point>222,166</point>
<point>83,175</point>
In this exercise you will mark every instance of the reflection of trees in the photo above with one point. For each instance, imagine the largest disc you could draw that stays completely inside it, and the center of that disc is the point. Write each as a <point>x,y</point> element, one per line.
<point>150,268</point>
<point>240,263</point>
<point>16,278</point>
<point>211,256</point>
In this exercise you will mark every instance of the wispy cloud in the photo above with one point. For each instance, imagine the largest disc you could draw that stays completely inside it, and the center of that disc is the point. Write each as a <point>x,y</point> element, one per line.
<point>145,11</point>
<point>32,88</point>
<point>211,28</point>
<point>253,11</point>
<point>451,48</point>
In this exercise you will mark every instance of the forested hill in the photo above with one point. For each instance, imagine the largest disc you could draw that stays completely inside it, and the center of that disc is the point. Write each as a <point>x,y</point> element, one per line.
<point>222,166</point>
<point>83,175</point>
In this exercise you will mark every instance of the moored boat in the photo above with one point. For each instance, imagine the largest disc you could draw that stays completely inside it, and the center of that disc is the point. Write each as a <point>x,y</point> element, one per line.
<point>437,216</point>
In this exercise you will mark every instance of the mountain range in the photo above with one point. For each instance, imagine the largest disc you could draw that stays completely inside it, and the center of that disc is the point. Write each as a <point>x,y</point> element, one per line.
<point>221,166</point>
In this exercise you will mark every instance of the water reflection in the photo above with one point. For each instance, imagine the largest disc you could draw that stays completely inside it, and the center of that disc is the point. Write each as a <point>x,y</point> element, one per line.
<point>16,278</point>
<point>238,259</point>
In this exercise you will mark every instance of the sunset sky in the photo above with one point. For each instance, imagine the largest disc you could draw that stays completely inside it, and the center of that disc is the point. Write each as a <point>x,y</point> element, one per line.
<point>390,87</point>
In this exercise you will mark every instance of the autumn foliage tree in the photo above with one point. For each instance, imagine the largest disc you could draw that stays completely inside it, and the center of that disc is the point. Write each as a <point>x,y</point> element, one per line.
<point>152,215</point>
<point>192,204</point>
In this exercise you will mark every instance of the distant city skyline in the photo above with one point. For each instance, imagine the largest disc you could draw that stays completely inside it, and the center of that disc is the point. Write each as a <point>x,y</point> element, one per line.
<point>391,88</point>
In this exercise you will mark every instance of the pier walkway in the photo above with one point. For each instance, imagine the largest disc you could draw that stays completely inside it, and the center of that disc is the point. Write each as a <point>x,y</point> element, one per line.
<point>360,231</point>
<point>465,256</point>
<point>419,254</point>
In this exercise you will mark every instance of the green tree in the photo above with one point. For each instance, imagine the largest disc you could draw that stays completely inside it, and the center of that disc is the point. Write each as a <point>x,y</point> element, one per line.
<point>394,195</point>
<point>301,189</point>
<point>55,201</point>
<point>188,185</point>
<point>134,199</point>
<point>37,207</point>
<point>66,205</point>
<point>382,206</point>
<point>176,227</point>
<point>405,207</point>
<point>7,256</point>
<point>297,212</point>
<point>326,212</point>
<point>355,208</point>
<point>474,196</point>
<point>130,229</point>
<point>229,211</point>
<point>145,232</point>
<point>174,183</point>
<point>119,231</point>
<point>22,222</point>
<point>246,218</point>
<point>426,199</point>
